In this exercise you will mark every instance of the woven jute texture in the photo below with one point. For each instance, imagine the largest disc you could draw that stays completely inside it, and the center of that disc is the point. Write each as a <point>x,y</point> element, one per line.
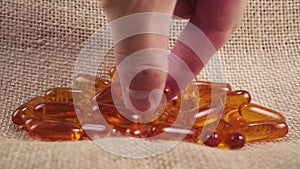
<point>40,42</point>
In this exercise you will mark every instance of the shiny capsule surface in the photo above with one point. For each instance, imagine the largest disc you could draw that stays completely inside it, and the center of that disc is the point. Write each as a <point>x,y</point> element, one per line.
<point>47,130</point>
<point>231,138</point>
<point>254,112</point>
<point>137,130</point>
<point>234,139</point>
<point>207,89</point>
<point>175,133</point>
<point>234,118</point>
<point>67,95</point>
<point>207,115</point>
<point>264,130</point>
<point>212,140</point>
<point>25,111</point>
<point>236,98</point>
<point>90,83</point>
<point>59,111</point>
<point>96,131</point>
<point>206,92</point>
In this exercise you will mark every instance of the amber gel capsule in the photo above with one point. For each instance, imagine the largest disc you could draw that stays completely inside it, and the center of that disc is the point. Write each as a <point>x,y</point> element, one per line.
<point>105,96</point>
<point>167,132</point>
<point>234,139</point>
<point>90,83</point>
<point>25,111</point>
<point>92,122</point>
<point>67,95</point>
<point>212,140</point>
<point>167,117</point>
<point>48,130</point>
<point>58,111</point>
<point>206,91</point>
<point>138,130</point>
<point>95,131</point>
<point>235,98</point>
<point>262,123</point>
<point>230,137</point>
<point>234,118</point>
<point>233,101</point>
<point>206,115</point>
<point>264,130</point>
<point>170,113</point>
<point>254,112</point>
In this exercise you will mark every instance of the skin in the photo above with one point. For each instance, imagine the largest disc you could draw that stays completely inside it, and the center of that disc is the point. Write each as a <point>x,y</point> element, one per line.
<point>218,19</point>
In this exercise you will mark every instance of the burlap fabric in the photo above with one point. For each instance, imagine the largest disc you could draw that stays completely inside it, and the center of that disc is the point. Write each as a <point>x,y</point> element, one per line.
<point>39,43</point>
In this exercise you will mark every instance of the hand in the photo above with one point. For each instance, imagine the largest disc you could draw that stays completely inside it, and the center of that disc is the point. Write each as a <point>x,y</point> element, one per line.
<point>217,19</point>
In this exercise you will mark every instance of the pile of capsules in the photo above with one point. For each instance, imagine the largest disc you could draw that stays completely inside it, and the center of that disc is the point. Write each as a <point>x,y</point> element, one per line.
<point>53,117</point>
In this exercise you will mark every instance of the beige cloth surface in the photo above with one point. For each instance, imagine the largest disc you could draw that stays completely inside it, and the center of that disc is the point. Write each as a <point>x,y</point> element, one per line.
<point>39,44</point>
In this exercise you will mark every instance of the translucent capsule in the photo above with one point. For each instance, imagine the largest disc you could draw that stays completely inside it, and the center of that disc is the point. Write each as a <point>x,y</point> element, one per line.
<point>138,130</point>
<point>53,130</point>
<point>254,112</point>
<point>235,98</point>
<point>207,115</point>
<point>233,101</point>
<point>206,91</point>
<point>264,130</point>
<point>170,112</point>
<point>90,83</point>
<point>178,133</point>
<point>25,111</point>
<point>234,139</point>
<point>87,115</point>
<point>173,105</point>
<point>58,111</point>
<point>212,140</point>
<point>113,117</point>
<point>93,122</point>
<point>95,131</point>
<point>262,123</point>
<point>167,117</point>
<point>234,118</point>
<point>104,96</point>
<point>230,137</point>
<point>67,95</point>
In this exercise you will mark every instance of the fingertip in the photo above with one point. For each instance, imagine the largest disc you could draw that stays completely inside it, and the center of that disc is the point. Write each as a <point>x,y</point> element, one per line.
<point>146,89</point>
<point>184,9</point>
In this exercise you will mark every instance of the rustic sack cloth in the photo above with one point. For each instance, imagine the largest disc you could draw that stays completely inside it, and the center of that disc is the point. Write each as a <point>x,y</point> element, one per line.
<point>40,42</point>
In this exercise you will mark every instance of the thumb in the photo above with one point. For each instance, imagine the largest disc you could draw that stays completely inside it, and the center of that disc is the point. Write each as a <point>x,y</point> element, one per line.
<point>141,40</point>
<point>142,76</point>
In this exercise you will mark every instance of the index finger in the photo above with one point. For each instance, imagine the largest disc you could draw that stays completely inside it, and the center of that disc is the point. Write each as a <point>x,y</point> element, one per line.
<point>210,27</point>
